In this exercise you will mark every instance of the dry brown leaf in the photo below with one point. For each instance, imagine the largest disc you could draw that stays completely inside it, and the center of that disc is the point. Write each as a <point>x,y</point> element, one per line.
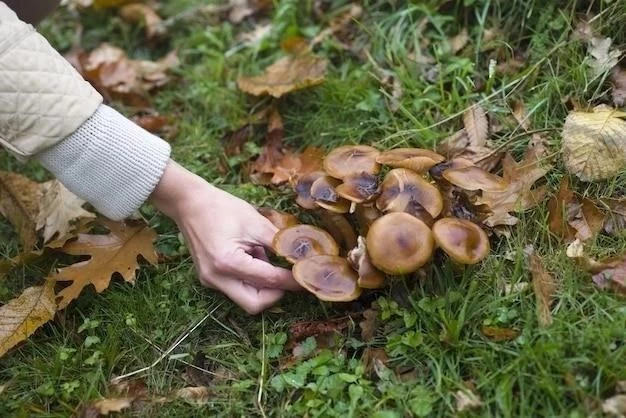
<point>615,221</point>
<point>609,273</point>
<point>138,12</point>
<point>594,143</point>
<point>544,287</point>
<point>286,75</point>
<point>466,399</point>
<point>476,125</point>
<point>520,115</point>
<point>374,359</point>
<point>615,406</point>
<point>604,58</point>
<point>572,216</point>
<point>369,324</point>
<point>459,41</point>
<point>198,395</point>
<point>242,9</point>
<point>106,406</point>
<point>58,208</point>
<point>338,24</point>
<point>20,317</point>
<point>115,252</point>
<point>519,194</point>
<point>500,334</point>
<point>619,86</point>
<point>19,203</point>
<point>116,76</point>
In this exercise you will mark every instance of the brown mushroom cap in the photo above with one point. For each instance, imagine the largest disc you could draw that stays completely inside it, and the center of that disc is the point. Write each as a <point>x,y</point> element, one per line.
<point>328,277</point>
<point>401,186</point>
<point>399,243</point>
<point>280,219</point>
<point>351,159</point>
<point>325,195</point>
<point>475,178</point>
<point>463,240</point>
<point>302,187</point>
<point>302,241</point>
<point>436,172</point>
<point>416,159</point>
<point>369,276</point>
<point>359,188</point>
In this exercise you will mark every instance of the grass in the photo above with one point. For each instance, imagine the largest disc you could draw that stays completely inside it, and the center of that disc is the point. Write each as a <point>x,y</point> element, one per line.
<point>431,327</point>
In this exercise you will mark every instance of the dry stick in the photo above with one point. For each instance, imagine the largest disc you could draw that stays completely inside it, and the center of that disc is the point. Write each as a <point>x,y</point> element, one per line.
<point>176,343</point>
<point>259,398</point>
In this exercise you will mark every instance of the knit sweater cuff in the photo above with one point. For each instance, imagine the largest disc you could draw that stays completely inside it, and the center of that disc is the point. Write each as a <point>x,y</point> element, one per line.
<point>110,162</point>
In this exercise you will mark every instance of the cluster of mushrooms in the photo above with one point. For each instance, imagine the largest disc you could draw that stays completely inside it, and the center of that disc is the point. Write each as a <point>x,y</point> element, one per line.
<point>400,221</point>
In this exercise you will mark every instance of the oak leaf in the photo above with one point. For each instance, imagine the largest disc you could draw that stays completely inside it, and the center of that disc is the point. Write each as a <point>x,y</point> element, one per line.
<point>466,400</point>
<point>19,203</point>
<point>519,194</point>
<point>544,287</point>
<point>572,216</point>
<point>115,252</point>
<point>476,125</point>
<point>21,316</point>
<point>594,143</point>
<point>286,75</point>
<point>138,12</point>
<point>58,208</point>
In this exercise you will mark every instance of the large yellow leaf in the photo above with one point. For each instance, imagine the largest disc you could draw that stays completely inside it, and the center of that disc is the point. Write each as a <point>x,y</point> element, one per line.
<point>19,203</point>
<point>286,75</point>
<point>594,143</point>
<point>115,252</point>
<point>23,315</point>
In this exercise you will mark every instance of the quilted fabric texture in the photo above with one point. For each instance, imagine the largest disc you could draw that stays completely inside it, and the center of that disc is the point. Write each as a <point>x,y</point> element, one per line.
<point>43,99</point>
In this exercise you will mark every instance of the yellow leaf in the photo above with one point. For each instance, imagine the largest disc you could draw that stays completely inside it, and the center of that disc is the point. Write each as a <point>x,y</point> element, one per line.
<point>105,406</point>
<point>544,287</point>
<point>594,143</point>
<point>116,252</point>
<point>21,316</point>
<point>19,203</point>
<point>286,75</point>
<point>58,207</point>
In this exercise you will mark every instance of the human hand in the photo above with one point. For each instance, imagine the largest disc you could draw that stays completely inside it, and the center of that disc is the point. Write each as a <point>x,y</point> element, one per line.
<point>226,237</point>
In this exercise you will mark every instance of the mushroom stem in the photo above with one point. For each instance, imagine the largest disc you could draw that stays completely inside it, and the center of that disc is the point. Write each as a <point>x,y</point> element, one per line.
<point>339,227</point>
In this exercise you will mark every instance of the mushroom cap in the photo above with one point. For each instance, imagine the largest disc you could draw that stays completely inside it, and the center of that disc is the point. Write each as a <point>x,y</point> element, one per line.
<point>399,243</point>
<point>369,276</point>
<point>416,159</point>
<point>463,240</point>
<point>302,241</point>
<point>360,187</point>
<point>401,186</point>
<point>475,178</point>
<point>325,195</point>
<point>351,159</point>
<point>302,187</point>
<point>280,219</point>
<point>328,277</point>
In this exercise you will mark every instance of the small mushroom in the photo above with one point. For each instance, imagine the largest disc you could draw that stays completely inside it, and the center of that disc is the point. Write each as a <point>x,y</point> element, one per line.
<point>325,195</point>
<point>339,227</point>
<point>302,187</point>
<point>280,219</point>
<point>366,214</point>
<point>369,276</point>
<point>328,277</point>
<point>351,159</point>
<point>302,241</point>
<point>475,178</point>
<point>402,187</point>
<point>399,243</point>
<point>463,240</point>
<point>416,159</point>
<point>359,188</point>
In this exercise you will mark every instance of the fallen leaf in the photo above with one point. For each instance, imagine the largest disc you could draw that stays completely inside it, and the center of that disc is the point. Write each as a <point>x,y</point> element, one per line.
<point>115,252</point>
<point>256,35</point>
<point>299,331</point>
<point>594,143</point>
<point>373,359</point>
<point>139,12</point>
<point>615,220</point>
<point>338,24</point>
<point>619,86</point>
<point>369,324</point>
<point>459,41</point>
<point>116,76</point>
<point>603,57</point>
<point>160,125</point>
<point>198,395</point>
<point>520,115</point>
<point>58,208</point>
<point>466,399</point>
<point>519,193</point>
<point>615,406</point>
<point>544,287</point>
<point>609,273</point>
<point>19,203</point>
<point>242,9</point>
<point>572,216</point>
<point>476,125</point>
<point>106,406</point>
<point>500,334</point>
<point>20,317</point>
<point>286,75</point>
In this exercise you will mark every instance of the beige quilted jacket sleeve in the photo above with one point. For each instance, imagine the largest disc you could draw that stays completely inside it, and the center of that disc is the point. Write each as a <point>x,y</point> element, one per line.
<point>43,99</point>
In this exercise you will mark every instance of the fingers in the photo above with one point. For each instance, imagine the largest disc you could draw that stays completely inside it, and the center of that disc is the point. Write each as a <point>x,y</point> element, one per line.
<point>250,298</point>
<point>264,232</point>
<point>260,273</point>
